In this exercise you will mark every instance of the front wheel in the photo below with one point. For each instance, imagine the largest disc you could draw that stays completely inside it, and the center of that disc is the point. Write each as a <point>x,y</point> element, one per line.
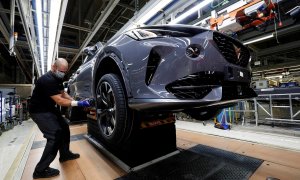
<point>113,117</point>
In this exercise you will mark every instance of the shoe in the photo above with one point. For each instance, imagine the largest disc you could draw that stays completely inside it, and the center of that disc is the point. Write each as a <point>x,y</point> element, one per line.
<point>69,156</point>
<point>49,172</point>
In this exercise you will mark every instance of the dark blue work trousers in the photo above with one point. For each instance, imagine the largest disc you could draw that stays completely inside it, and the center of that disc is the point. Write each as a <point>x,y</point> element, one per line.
<point>56,130</point>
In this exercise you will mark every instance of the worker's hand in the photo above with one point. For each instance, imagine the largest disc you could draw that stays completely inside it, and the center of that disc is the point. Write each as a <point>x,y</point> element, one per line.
<point>84,103</point>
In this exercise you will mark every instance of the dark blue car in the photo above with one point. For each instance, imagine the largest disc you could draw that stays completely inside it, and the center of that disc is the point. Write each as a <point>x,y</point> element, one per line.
<point>162,69</point>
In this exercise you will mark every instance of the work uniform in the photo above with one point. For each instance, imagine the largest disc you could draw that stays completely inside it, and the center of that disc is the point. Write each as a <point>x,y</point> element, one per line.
<point>46,115</point>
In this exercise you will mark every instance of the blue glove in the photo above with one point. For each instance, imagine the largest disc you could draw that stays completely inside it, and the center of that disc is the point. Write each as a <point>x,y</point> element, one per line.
<point>84,103</point>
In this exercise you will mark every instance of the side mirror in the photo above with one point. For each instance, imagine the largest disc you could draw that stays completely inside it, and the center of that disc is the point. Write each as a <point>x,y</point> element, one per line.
<point>88,51</point>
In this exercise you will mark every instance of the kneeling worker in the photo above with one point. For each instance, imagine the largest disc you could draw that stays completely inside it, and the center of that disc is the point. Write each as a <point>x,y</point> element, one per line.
<point>47,93</point>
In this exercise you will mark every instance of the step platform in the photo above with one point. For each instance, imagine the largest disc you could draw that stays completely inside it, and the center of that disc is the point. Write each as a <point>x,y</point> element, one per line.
<point>151,153</point>
<point>145,146</point>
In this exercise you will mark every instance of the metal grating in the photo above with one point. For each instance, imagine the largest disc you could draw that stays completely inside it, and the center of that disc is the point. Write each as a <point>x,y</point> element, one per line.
<point>194,86</point>
<point>40,144</point>
<point>199,162</point>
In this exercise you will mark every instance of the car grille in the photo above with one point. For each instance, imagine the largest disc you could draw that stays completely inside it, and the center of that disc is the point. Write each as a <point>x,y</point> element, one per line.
<point>198,85</point>
<point>194,86</point>
<point>232,50</point>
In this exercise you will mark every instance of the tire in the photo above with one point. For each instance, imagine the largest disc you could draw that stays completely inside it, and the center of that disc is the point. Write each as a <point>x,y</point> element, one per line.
<point>203,114</point>
<point>113,114</point>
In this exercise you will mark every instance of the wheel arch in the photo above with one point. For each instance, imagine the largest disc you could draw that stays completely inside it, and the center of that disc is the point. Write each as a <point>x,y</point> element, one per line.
<point>111,64</point>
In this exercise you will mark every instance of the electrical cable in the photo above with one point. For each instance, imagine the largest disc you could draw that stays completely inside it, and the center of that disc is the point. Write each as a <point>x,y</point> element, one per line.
<point>276,34</point>
<point>277,16</point>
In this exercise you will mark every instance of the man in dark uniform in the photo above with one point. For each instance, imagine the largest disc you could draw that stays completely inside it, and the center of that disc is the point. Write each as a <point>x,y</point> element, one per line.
<point>47,93</point>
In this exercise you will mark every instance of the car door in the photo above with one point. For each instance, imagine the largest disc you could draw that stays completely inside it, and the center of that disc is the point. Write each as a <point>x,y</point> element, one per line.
<point>83,84</point>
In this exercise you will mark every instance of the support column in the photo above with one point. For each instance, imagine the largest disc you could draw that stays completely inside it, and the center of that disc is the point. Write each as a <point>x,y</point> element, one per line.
<point>12,28</point>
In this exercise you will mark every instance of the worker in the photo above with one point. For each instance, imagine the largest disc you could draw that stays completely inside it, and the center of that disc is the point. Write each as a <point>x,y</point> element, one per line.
<point>47,94</point>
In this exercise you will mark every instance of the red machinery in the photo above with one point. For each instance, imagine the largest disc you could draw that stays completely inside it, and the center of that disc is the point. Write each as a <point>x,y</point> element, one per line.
<point>251,14</point>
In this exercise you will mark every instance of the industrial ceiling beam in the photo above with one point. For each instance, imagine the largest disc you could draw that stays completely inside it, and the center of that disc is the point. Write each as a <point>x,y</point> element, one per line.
<point>66,50</point>
<point>25,14</point>
<point>127,6</point>
<point>24,44</point>
<point>8,11</point>
<point>279,49</point>
<point>77,27</point>
<point>104,15</point>
<point>5,33</point>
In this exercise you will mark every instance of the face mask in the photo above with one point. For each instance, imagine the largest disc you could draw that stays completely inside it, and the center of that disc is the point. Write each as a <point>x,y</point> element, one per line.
<point>59,74</point>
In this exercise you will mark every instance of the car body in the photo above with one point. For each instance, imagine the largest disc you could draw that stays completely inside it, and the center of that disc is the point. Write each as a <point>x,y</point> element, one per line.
<point>166,68</point>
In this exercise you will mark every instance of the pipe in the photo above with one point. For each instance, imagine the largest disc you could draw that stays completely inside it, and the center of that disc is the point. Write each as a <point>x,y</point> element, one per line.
<point>12,28</point>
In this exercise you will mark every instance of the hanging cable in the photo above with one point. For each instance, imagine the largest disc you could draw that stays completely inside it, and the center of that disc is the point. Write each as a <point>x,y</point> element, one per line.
<point>279,16</point>
<point>276,35</point>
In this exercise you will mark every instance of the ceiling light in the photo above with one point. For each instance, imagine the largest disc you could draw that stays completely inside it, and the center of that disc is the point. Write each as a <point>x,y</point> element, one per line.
<point>53,22</point>
<point>144,15</point>
<point>38,4</point>
<point>191,11</point>
<point>159,6</point>
<point>258,39</point>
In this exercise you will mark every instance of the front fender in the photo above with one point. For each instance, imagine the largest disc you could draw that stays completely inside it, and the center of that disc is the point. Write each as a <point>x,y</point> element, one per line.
<point>121,68</point>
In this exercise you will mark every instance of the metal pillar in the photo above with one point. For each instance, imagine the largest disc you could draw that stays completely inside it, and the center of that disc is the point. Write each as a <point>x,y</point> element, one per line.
<point>291,107</point>
<point>12,28</point>
<point>255,112</point>
<point>33,77</point>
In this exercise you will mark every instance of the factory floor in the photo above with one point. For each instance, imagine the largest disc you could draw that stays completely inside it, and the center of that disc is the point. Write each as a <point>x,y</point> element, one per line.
<point>21,148</point>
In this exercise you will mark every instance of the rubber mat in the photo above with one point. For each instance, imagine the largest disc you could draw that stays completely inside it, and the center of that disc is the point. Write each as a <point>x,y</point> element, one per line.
<point>199,162</point>
<point>40,144</point>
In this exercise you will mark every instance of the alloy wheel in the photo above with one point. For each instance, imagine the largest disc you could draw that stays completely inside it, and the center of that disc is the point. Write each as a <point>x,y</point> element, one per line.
<point>107,111</point>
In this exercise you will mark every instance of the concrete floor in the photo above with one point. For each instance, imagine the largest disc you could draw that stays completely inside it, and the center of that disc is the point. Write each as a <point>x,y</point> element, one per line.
<point>281,153</point>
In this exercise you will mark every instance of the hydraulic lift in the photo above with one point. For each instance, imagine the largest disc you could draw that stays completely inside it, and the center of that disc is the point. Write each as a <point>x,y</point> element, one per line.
<point>154,141</point>
<point>151,153</point>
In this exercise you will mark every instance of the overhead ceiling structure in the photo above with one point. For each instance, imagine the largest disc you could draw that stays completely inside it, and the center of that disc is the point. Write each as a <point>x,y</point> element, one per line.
<point>81,23</point>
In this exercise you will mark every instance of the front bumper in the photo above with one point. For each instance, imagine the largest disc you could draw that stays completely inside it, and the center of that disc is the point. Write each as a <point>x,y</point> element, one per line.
<point>219,96</point>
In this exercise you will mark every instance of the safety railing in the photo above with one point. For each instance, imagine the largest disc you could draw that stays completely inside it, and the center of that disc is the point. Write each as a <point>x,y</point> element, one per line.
<point>269,100</point>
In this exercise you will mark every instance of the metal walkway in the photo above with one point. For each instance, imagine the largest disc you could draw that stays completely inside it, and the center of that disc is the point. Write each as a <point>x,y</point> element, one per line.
<point>199,162</point>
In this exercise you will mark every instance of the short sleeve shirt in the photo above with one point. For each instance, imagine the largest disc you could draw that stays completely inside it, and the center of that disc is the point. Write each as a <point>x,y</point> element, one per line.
<point>46,86</point>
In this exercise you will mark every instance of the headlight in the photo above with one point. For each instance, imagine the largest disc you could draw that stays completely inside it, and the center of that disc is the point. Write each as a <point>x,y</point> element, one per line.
<point>141,34</point>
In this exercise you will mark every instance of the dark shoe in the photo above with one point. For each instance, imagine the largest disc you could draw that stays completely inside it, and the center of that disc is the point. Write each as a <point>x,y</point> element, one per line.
<point>69,156</point>
<point>49,172</point>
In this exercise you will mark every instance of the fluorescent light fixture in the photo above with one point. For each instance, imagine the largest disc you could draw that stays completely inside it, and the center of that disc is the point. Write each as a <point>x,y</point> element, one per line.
<point>159,6</point>
<point>274,76</point>
<point>53,22</point>
<point>38,4</point>
<point>144,16</point>
<point>191,11</point>
<point>258,39</point>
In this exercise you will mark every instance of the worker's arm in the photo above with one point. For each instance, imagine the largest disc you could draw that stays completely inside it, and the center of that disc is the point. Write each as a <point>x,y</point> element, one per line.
<point>66,95</point>
<point>67,102</point>
<point>60,100</point>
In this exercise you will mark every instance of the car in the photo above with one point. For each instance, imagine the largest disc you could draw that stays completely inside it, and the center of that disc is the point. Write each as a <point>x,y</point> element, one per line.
<point>161,69</point>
